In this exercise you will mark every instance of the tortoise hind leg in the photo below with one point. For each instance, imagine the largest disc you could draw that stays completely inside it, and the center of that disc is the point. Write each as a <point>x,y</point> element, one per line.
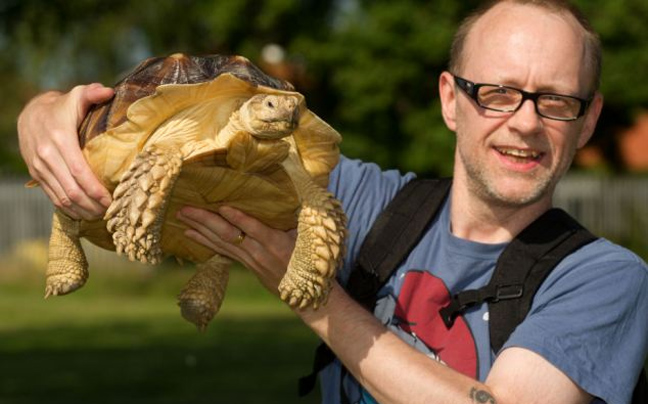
<point>67,267</point>
<point>135,215</point>
<point>201,298</point>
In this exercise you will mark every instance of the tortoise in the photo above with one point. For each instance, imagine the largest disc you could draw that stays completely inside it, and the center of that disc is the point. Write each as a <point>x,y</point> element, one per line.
<point>206,131</point>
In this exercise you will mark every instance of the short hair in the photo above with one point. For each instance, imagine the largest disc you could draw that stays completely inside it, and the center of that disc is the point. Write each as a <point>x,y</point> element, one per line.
<point>592,41</point>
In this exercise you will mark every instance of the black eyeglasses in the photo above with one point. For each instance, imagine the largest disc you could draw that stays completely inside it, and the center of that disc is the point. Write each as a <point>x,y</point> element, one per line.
<point>508,99</point>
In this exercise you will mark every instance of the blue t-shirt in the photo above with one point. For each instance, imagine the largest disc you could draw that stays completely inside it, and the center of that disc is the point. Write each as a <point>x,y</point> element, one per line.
<point>589,318</point>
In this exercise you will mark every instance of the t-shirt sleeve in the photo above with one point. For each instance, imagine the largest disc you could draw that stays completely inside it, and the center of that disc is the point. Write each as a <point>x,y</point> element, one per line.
<point>364,190</point>
<point>590,319</point>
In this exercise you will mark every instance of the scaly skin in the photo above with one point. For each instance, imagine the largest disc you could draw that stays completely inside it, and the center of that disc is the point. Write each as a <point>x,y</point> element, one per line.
<point>320,244</point>
<point>67,268</point>
<point>202,296</point>
<point>135,215</point>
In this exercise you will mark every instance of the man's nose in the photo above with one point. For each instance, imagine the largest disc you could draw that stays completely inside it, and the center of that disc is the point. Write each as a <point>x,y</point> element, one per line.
<point>526,119</point>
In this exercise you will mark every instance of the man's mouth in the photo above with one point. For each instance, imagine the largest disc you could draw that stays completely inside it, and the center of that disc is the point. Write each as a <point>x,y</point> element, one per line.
<point>521,154</point>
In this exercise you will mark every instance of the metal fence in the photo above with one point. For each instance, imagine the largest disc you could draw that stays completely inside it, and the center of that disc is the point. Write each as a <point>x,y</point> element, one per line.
<point>613,207</point>
<point>25,213</point>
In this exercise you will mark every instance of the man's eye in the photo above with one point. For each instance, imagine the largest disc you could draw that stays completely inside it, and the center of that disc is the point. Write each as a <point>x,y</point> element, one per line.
<point>494,96</point>
<point>555,100</point>
<point>495,91</point>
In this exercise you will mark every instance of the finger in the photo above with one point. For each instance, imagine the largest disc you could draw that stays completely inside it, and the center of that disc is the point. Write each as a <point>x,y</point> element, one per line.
<point>203,228</point>
<point>223,236</point>
<point>279,243</point>
<point>214,232</point>
<point>84,96</point>
<point>67,196</point>
<point>235,252</point>
<point>210,224</point>
<point>202,239</point>
<point>96,93</point>
<point>95,196</point>
<point>251,226</point>
<point>68,191</point>
<point>50,183</point>
<point>54,198</point>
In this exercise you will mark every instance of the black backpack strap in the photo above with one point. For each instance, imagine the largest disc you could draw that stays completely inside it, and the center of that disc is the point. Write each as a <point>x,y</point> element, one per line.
<point>521,268</point>
<point>393,236</point>
<point>527,261</point>
<point>395,232</point>
<point>640,394</point>
<point>323,357</point>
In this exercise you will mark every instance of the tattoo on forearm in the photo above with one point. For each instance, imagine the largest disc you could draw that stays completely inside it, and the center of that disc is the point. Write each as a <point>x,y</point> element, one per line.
<point>481,397</point>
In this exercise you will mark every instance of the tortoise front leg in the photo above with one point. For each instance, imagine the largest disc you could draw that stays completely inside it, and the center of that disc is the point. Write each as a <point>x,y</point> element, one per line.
<point>319,249</point>
<point>67,266</point>
<point>320,244</point>
<point>201,298</point>
<point>135,215</point>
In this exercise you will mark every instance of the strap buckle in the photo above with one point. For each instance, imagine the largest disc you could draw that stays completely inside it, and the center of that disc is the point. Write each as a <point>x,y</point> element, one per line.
<point>508,292</point>
<point>468,298</point>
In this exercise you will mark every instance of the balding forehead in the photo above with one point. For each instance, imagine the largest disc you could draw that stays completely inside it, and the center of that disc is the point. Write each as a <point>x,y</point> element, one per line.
<point>506,19</point>
<point>516,36</point>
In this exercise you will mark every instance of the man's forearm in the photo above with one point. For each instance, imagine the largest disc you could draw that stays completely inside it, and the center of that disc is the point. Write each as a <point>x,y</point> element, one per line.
<point>391,370</point>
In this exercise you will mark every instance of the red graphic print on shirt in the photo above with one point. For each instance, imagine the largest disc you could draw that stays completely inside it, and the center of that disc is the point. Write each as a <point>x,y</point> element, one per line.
<point>417,312</point>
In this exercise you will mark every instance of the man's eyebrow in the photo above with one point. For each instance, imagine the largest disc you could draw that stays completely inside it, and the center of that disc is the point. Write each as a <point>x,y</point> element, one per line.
<point>556,88</point>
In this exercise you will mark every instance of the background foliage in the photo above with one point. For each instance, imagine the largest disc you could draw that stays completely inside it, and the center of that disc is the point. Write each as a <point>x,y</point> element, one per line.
<point>368,67</point>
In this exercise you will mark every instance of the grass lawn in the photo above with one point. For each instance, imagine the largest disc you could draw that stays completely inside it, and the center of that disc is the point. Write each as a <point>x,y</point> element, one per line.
<point>121,339</point>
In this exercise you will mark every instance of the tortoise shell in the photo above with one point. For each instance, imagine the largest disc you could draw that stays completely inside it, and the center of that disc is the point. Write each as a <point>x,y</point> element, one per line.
<point>174,69</point>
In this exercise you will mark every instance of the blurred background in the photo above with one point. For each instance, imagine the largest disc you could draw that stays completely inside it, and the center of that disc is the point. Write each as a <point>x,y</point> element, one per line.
<point>368,67</point>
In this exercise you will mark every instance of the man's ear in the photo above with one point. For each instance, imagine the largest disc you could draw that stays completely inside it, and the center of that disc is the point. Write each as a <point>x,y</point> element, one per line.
<point>448,96</point>
<point>591,117</point>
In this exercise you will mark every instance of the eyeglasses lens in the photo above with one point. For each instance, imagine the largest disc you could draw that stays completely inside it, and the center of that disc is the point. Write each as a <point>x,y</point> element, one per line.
<point>506,99</point>
<point>554,106</point>
<point>499,98</point>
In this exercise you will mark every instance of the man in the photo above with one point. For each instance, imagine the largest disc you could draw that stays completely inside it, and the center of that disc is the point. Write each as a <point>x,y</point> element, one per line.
<point>584,339</point>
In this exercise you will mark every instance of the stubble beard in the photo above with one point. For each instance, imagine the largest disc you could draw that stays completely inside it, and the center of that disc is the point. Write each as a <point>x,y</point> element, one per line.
<point>483,183</point>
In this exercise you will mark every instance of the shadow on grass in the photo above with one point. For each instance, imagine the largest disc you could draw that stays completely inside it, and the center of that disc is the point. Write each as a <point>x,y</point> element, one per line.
<point>237,361</point>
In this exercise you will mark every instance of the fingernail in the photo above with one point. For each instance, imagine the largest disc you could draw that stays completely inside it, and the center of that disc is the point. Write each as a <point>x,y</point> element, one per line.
<point>186,211</point>
<point>225,211</point>
<point>105,201</point>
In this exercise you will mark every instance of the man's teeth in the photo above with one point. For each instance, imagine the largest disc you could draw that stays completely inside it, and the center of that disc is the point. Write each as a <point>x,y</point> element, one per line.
<point>520,153</point>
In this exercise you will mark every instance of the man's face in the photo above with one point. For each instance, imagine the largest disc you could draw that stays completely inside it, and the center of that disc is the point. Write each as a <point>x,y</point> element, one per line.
<point>517,158</point>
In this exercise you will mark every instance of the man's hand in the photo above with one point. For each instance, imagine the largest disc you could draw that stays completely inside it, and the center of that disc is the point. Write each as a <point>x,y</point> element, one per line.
<point>47,131</point>
<point>262,249</point>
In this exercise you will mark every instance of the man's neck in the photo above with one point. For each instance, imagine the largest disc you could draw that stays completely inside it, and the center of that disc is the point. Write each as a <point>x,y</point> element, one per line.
<point>473,218</point>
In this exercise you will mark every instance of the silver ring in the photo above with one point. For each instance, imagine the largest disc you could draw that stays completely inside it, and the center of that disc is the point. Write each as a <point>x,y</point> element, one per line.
<point>239,239</point>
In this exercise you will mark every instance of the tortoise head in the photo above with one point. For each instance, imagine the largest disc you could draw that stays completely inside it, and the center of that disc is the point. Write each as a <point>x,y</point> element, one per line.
<point>270,116</point>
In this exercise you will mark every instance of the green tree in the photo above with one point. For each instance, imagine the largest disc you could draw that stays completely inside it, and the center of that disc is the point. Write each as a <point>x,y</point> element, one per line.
<point>368,67</point>
<point>49,44</point>
<point>380,63</point>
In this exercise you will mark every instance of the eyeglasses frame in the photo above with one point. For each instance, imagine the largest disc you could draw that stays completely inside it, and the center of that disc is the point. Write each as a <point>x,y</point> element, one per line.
<point>472,89</point>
